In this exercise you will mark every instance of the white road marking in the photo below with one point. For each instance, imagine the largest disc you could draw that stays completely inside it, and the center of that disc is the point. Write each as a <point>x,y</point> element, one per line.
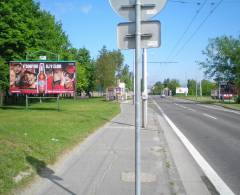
<point>207,115</point>
<point>191,109</point>
<point>221,109</point>
<point>216,180</point>
<point>183,107</point>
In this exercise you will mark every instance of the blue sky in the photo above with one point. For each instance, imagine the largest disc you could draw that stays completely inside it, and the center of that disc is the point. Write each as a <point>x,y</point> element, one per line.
<point>92,24</point>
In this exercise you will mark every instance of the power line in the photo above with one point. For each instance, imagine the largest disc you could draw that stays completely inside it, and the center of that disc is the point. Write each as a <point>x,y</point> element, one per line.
<point>163,62</point>
<point>188,27</point>
<point>198,28</point>
<point>185,2</point>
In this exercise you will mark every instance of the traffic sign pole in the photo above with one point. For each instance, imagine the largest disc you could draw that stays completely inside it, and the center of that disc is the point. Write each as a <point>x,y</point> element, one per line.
<point>145,93</point>
<point>135,12</point>
<point>138,100</point>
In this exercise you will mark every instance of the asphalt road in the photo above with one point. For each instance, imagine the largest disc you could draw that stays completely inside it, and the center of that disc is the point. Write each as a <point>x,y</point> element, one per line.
<point>214,131</point>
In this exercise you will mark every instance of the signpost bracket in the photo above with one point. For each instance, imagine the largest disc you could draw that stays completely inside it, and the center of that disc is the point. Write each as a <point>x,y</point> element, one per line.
<point>143,6</point>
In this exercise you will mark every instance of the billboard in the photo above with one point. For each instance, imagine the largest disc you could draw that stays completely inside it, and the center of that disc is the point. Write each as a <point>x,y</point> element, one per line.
<point>38,77</point>
<point>181,90</point>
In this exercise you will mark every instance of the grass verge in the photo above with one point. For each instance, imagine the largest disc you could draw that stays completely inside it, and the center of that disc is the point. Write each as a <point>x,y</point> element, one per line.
<point>30,139</point>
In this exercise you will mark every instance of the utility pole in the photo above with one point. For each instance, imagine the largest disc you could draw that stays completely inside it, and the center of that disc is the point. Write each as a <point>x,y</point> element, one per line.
<point>145,92</point>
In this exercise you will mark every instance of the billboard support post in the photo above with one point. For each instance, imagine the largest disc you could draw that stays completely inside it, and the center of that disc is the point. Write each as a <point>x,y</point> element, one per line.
<point>41,98</point>
<point>58,103</point>
<point>26,102</point>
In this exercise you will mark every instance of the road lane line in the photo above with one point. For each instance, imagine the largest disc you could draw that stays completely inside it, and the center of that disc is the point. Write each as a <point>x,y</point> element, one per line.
<point>191,109</point>
<point>209,116</point>
<point>221,109</point>
<point>183,107</point>
<point>216,180</point>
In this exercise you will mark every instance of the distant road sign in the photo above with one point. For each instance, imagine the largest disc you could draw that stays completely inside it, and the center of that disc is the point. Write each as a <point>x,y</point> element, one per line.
<point>126,8</point>
<point>150,34</point>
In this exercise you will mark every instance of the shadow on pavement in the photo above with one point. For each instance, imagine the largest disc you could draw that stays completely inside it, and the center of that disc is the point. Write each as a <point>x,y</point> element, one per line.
<point>120,123</point>
<point>45,172</point>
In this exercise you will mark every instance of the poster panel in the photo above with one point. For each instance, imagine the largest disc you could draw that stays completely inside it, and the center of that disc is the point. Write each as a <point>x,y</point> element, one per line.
<point>42,77</point>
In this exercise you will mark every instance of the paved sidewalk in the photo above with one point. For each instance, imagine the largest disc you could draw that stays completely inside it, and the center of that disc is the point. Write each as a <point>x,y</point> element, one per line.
<point>104,163</point>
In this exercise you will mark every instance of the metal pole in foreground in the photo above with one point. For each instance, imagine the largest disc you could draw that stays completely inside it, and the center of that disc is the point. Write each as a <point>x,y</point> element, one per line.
<point>138,100</point>
<point>144,94</point>
<point>134,61</point>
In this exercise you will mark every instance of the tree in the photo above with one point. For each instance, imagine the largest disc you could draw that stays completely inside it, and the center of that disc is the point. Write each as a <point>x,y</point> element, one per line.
<point>157,88</point>
<point>108,67</point>
<point>26,28</point>
<point>172,85</point>
<point>191,84</point>
<point>85,61</point>
<point>223,60</point>
<point>127,77</point>
<point>166,82</point>
<point>207,86</point>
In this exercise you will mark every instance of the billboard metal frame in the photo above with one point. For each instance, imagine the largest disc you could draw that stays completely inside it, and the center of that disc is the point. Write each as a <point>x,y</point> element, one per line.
<point>49,90</point>
<point>41,96</point>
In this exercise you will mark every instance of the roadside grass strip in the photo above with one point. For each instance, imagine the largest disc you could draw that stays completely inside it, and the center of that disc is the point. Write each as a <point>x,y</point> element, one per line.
<point>31,139</point>
<point>216,180</point>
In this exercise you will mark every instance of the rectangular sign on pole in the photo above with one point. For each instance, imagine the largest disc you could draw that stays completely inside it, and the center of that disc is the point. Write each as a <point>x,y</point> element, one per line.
<point>37,77</point>
<point>150,35</point>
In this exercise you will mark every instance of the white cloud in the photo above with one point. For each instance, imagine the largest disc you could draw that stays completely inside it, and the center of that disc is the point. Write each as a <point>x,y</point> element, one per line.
<point>86,8</point>
<point>64,7</point>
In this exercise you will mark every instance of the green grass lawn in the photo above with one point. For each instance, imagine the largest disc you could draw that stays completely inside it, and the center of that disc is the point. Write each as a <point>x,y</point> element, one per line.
<point>209,100</point>
<point>30,139</point>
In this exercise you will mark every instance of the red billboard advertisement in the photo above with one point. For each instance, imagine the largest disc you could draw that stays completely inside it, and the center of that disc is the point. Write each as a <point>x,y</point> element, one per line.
<point>42,77</point>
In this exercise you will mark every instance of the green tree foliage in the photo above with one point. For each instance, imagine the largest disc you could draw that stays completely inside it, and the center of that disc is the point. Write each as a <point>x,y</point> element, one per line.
<point>166,82</point>
<point>85,69</point>
<point>85,62</point>
<point>207,86</point>
<point>127,77</point>
<point>191,84</point>
<point>171,84</point>
<point>108,67</point>
<point>157,88</point>
<point>223,60</point>
<point>24,27</point>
